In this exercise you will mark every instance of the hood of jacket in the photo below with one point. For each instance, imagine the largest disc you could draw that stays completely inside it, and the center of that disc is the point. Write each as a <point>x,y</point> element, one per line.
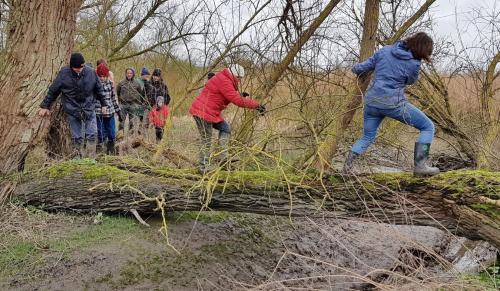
<point>227,73</point>
<point>133,74</point>
<point>400,51</point>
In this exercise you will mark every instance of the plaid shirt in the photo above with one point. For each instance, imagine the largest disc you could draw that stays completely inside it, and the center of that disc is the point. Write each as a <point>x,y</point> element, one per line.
<point>109,98</point>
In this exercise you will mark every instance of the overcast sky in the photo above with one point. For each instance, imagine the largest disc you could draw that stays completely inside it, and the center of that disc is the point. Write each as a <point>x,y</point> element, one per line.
<point>452,14</point>
<point>452,18</point>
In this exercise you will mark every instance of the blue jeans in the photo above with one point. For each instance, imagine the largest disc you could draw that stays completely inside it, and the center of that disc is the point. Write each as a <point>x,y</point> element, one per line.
<point>106,129</point>
<point>406,113</point>
<point>82,129</point>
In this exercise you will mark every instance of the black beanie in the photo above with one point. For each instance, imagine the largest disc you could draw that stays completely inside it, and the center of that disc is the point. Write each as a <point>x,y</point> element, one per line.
<point>157,72</point>
<point>76,60</point>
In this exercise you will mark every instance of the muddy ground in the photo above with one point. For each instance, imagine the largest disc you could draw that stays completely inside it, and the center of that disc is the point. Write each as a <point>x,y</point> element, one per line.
<point>229,251</point>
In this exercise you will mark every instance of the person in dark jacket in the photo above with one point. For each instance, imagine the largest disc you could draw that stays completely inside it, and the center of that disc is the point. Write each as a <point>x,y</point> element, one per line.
<point>395,67</point>
<point>155,88</point>
<point>131,96</point>
<point>218,93</point>
<point>79,86</point>
<point>106,128</point>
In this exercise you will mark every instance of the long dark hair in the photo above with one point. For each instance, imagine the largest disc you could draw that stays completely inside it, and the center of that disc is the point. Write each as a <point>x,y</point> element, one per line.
<point>421,45</point>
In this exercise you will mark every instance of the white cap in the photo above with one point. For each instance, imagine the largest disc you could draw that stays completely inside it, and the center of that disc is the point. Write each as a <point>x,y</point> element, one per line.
<point>237,70</point>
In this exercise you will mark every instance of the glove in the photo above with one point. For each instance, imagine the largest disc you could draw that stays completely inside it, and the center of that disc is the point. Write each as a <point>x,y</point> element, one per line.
<point>261,109</point>
<point>245,94</point>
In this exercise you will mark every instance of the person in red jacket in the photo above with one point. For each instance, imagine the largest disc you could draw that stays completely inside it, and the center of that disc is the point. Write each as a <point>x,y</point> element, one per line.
<point>158,116</point>
<point>219,92</point>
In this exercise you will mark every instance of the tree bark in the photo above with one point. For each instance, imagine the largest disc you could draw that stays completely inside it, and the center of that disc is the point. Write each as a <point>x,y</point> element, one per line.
<point>368,44</point>
<point>40,39</point>
<point>464,202</point>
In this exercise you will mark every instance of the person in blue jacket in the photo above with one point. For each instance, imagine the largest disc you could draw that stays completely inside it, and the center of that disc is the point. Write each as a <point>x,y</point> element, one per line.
<point>394,67</point>
<point>79,87</point>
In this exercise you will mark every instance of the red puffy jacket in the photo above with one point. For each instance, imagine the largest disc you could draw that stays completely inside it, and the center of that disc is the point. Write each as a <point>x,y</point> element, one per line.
<point>219,91</point>
<point>158,117</point>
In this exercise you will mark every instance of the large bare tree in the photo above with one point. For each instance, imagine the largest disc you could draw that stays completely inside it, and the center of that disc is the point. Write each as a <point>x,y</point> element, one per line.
<point>39,41</point>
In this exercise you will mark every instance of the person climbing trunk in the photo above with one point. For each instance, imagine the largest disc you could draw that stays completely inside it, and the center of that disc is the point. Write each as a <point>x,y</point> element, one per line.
<point>218,93</point>
<point>395,67</point>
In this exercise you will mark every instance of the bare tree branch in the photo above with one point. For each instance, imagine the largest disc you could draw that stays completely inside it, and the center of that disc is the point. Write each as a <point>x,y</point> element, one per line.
<point>397,35</point>
<point>125,40</point>
<point>151,48</point>
<point>91,5</point>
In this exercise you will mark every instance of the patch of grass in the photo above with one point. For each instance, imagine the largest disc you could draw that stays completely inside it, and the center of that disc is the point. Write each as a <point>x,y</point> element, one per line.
<point>487,280</point>
<point>18,255</point>
<point>111,228</point>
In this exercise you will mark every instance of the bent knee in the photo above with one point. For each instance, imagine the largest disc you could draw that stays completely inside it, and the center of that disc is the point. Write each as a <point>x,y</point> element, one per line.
<point>429,127</point>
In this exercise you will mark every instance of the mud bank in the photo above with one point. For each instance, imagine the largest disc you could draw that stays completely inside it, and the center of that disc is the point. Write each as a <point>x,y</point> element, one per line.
<point>223,250</point>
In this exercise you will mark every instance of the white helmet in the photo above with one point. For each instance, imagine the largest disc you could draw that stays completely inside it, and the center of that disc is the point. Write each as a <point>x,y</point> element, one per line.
<point>237,70</point>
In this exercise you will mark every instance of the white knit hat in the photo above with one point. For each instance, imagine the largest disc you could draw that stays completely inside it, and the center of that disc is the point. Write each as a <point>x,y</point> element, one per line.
<point>237,70</point>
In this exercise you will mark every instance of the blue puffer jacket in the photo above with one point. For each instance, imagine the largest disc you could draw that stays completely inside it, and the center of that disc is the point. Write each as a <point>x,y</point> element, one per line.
<point>79,92</point>
<point>394,67</point>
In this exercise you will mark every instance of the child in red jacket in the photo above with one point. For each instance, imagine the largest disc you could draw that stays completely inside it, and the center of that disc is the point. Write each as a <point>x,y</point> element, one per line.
<point>158,116</point>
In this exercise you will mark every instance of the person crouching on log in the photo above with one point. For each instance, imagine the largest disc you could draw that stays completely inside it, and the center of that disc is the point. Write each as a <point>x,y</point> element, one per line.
<point>394,67</point>
<point>158,116</point>
<point>79,87</point>
<point>206,109</point>
<point>106,128</point>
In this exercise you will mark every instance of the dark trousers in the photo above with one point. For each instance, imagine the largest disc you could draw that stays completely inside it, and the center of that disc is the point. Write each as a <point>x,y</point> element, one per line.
<point>159,133</point>
<point>131,110</point>
<point>205,130</point>
<point>82,130</point>
<point>106,129</point>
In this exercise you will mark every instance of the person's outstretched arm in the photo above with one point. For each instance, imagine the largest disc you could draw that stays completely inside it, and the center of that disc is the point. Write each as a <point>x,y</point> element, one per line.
<point>53,93</point>
<point>366,66</point>
<point>234,96</point>
<point>413,74</point>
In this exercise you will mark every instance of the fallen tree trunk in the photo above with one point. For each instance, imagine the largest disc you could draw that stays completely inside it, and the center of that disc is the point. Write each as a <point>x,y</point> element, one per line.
<point>464,202</point>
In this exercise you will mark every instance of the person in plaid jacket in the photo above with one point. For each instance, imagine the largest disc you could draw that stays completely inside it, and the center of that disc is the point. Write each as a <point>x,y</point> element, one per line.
<point>106,128</point>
